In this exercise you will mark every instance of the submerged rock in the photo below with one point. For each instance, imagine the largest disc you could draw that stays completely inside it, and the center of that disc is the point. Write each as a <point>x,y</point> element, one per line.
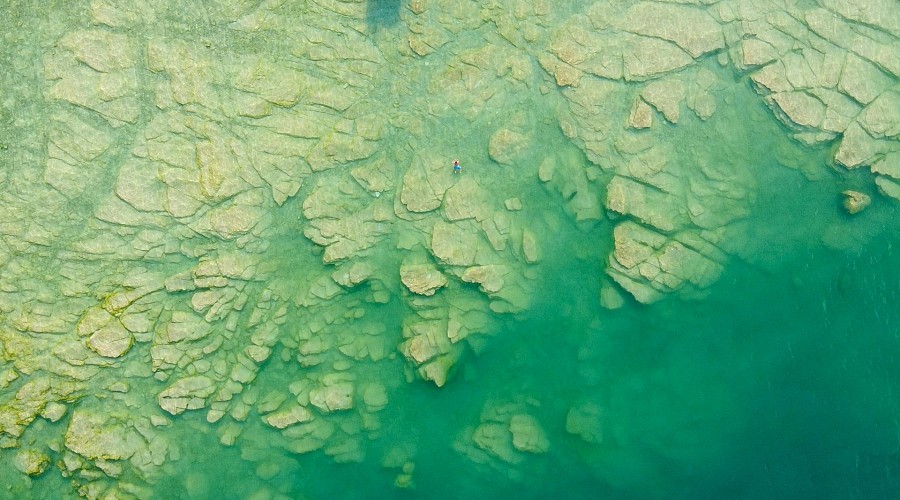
<point>527,434</point>
<point>188,393</point>
<point>94,435</point>
<point>584,421</point>
<point>334,395</point>
<point>423,279</point>
<point>111,341</point>
<point>506,146</point>
<point>31,462</point>
<point>855,202</point>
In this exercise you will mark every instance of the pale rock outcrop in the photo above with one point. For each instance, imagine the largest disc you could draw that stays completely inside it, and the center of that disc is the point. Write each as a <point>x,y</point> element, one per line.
<point>188,393</point>
<point>287,417</point>
<point>855,202</point>
<point>527,434</point>
<point>453,244</point>
<point>425,182</point>
<point>94,435</point>
<point>111,341</point>
<point>335,394</point>
<point>507,146</point>
<point>423,279</point>
<point>31,462</point>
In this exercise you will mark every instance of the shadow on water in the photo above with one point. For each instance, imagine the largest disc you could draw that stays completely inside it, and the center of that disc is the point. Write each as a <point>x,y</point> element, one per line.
<point>383,12</point>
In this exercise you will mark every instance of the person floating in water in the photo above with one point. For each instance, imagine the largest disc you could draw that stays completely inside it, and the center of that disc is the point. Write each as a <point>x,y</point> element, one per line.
<point>456,168</point>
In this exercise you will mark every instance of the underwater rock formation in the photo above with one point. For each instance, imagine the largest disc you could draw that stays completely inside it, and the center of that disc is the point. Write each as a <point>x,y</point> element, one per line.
<point>259,223</point>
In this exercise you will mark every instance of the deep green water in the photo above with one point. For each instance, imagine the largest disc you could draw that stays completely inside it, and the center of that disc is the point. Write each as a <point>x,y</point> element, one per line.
<point>780,382</point>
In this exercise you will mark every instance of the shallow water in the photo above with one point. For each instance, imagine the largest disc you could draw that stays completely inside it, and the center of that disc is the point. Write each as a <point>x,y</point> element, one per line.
<point>778,380</point>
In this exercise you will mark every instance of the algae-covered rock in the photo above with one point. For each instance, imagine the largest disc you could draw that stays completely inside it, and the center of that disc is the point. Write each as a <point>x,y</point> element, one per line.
<point>188,393</point>
<point>855,202</point>
<point>54,411</point>
<point>94,435</point>
<point>111,341</point>
<point>31,462</point>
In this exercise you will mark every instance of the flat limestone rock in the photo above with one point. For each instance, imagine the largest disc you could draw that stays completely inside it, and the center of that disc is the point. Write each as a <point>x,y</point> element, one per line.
<point>425,182</point>
<point>139,186</point>
<point>102,50</point>
<point>513,204</point>
<point>465,200</point>
<point>888,187</point>
<point>375,396</point>
<point>530,247</point>
<point>641,115</point>
<point>648,264</point>
<point>610,298</point>
<point>651,57</point>
<point>506,146</point>
<point>666,95</point>
<point>353,274</point>
<point>651,206</point>
<point>426,340</point>
<point>188,393</point>
<point>111,341</point>
<point>54,411</point>
<point>690,27</point>
<point>756,52</point>
<point>423,279</point>
<point>496,439</point>
<point>334,397</point>
<point>96,436</point>
<point>490,277</point>
<point>857,147</point>
<point>527,434</point>
<point>880,116</point>
<point>889,165</point>
<point>801,108</point>
<point>862,80</point>
<point>548,167</point>
<point>285,418</point>
<point>453,244</point>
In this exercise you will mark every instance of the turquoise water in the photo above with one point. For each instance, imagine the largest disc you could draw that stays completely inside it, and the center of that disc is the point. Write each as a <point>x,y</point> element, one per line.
<point>776,380</point>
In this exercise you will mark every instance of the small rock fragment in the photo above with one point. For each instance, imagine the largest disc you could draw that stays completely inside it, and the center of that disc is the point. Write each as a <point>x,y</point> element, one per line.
<point>54,411</point>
